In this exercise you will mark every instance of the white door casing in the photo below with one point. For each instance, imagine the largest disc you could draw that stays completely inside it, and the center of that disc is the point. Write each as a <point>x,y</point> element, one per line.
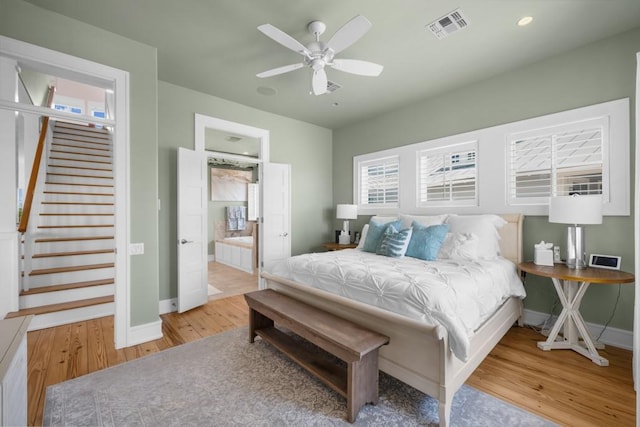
<point>276,208</point>
<point>192,229</point>
<point>63,65</point>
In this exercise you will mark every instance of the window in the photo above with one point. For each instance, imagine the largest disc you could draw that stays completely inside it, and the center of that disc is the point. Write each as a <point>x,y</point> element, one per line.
<point>448,175</point>
<point>557,161</point>
<point>379,182</point>
<point>509,168</point>
<point>67,108</point>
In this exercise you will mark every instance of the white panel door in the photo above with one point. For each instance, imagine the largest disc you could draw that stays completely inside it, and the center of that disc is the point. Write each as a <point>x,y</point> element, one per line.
<point>192,229</point>
<point>276,203</point>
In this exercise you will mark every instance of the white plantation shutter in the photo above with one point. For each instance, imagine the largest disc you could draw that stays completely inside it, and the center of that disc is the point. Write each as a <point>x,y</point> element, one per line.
<point>448,175</point>
<point>379,182</point>
<point>557,162</point>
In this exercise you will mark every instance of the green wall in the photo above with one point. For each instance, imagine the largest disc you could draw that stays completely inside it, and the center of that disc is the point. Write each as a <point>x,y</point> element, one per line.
<point>598,72</point>
<point>308,148</point>
<point>23,21</point>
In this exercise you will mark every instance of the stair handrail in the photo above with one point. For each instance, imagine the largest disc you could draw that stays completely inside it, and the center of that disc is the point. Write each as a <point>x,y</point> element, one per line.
<point>37,158</point>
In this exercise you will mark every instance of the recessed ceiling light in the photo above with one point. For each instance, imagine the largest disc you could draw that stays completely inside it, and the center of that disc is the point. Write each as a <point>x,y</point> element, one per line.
<point>525,21</point>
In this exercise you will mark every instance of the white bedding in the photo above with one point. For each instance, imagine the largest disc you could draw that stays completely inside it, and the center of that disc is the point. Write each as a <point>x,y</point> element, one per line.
<point>459,295</point>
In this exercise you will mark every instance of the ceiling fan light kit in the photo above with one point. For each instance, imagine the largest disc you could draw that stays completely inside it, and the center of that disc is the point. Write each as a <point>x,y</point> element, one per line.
<point>318,55</point>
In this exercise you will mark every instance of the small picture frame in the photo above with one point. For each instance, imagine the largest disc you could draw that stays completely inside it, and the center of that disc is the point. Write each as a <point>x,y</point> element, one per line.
<point>610,262</point>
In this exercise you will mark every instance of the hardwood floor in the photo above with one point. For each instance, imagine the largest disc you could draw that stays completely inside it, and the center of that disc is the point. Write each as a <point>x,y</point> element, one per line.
<point>560,385</point>
<point>230,281</point>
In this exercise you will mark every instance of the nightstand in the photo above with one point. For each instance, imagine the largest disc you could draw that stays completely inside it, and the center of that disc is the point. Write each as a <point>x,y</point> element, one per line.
<point>571,285</point>
<point>330,246</point>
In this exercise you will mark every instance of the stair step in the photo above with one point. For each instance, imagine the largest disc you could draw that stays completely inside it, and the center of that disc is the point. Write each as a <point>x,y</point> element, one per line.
<point>85,141</point>
<point>82,137</point>
<point>78,194</point>
<point>82,128</point>
<point>79,153</point>
<point>78,203</point>
<point>73,253</point>
<point>102,162</point>
<point>60,307</point>
<point>81,167</point>
<point>76,214</point>
<point>78,175</point>
<point>64,143</point>
<point>79,183</point>
<point>70,269</point>
<point>67,286</point>
<point>71,238</point>
<point>48,227</point>
<point>82,134</point>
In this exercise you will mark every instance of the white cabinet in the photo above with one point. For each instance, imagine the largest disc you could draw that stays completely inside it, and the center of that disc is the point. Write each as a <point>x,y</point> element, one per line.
<point>13,371</point>
<point>235,256</point>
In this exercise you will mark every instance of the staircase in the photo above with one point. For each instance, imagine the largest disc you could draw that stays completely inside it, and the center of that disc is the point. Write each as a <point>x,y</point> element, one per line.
<point>70,276</point>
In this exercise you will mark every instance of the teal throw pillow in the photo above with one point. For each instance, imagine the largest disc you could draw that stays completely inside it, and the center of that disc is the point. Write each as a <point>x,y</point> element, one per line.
<point>394,243</point>
<point>374,234</point>
<point>426,241</point>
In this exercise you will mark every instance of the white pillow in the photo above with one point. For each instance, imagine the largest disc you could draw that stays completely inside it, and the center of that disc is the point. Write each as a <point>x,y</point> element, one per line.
<point>426,220</point>
<point>459,246</point>
<point>383,219</point>
<point>363,236</point>
<point>485,227</point>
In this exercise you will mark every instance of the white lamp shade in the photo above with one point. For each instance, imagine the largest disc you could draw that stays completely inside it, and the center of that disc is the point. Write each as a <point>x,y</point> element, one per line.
<point>576,209</point>
<point>347,212</point>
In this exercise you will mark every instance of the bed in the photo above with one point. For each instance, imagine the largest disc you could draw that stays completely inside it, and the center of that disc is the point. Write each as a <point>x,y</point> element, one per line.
<point>420,354</point>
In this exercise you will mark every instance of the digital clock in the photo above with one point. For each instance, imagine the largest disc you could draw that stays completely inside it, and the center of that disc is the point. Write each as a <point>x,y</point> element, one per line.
<point>610,262</point>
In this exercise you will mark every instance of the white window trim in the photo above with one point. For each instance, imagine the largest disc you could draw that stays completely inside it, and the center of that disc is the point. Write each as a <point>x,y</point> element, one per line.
<point>492,175</point>
<point>446,149</point>
<point>358,163</point>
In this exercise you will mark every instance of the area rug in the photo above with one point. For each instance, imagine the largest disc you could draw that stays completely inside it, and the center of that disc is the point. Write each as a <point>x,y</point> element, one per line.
<point>224,380</point>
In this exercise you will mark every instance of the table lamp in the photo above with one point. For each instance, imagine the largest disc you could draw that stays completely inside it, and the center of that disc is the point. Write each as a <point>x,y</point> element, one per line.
<point>346,212</point>
<point>576,209</point>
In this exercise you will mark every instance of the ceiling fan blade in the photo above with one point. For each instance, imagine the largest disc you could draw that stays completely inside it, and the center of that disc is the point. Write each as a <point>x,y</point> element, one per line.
<point>349,33</point>
<point>280,70</point>
<point>319,82</point>
<point>284,39</point>
<point>355,66</point>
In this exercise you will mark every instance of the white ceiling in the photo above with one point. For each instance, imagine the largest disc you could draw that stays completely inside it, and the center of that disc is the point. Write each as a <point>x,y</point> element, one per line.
<point>214,47</point>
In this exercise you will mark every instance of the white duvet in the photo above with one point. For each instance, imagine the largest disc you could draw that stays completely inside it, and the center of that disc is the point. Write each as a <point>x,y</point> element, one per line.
<point>459,295</point>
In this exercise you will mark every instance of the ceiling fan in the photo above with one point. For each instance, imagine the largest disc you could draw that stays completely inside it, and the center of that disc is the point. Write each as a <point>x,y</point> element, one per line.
<point>318,54</point>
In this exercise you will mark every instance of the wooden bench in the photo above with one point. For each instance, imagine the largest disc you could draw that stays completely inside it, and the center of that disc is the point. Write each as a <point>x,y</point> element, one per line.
<point>355,345</point>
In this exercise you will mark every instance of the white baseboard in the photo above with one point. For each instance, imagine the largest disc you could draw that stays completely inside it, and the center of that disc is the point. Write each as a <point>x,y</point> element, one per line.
<point>612,336</point>
<point>143,333</point>
<point>168,305</point>
<point>212,258</point>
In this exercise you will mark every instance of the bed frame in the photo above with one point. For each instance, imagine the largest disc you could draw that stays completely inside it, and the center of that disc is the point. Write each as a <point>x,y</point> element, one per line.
<point>417,354</point>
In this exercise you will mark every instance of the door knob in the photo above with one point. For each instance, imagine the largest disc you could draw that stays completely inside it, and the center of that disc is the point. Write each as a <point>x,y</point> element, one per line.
<point>183,241</point>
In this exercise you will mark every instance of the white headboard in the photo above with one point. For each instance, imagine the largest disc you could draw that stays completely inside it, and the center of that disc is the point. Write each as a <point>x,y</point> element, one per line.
<point>511,237</point>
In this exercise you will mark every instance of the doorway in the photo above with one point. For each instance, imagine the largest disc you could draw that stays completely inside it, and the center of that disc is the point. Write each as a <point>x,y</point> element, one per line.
<point>233,213</point>
<point>274,230</point>
<point>231,143</point>
<point>16,54</point>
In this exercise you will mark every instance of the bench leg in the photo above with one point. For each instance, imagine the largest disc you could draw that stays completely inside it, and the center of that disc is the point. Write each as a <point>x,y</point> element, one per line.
<point>362,384</point>
<point>257,321</point>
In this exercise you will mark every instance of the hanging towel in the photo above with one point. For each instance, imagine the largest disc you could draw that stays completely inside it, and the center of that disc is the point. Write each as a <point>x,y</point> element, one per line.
<point>236,218</point>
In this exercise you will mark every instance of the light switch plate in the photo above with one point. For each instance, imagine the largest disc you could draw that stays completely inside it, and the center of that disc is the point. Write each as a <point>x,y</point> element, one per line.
<point>136,248</point>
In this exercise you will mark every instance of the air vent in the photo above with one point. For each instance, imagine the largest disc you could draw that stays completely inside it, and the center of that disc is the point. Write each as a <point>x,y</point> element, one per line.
<point>448,24</point>
<point>332,86</point>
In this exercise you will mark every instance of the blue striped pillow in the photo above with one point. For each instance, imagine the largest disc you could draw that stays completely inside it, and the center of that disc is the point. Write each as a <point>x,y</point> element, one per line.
<point>394,243</point>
